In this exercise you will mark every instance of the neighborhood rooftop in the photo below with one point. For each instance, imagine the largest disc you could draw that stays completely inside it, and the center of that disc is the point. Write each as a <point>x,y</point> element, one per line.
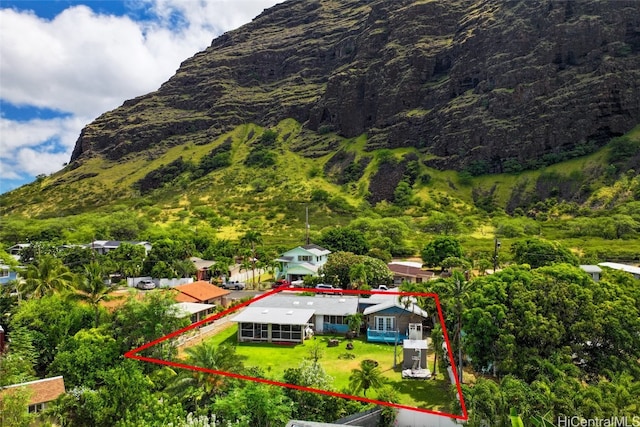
<point>321,304</point>
<point>275,316</point>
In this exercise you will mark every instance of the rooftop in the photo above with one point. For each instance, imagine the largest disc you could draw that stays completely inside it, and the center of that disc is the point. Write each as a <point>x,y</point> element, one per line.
<point>41,391</point>
<point>276,316</point>
<point>322,304</point>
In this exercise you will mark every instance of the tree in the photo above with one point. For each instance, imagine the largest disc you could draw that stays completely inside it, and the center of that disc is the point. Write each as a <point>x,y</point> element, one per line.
<point>139,321</point>
<point>313,406</point>
<point>13,408</point>
<point>50,321</point>
<point>338,267</point>
<point>440,248</point>
<point>83,357</point>
<point>45,277</point>
<point>128,259</point>
<point>367,376</point>
<point>254,405</point>
<point>344,267</point>
<point>252,238</point>
<point>358,275</point>
<point>184,268</point>
<point>344,239</point>
<point>200,388</point>
<point>538,252</point>
<point>91,288</point>
<point>355,322</point>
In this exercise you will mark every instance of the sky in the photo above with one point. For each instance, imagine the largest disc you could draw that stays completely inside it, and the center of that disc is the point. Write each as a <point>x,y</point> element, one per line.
<point>65,62</point>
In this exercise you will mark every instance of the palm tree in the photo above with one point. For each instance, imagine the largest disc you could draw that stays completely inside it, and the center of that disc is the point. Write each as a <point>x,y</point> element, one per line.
<point>252,238</point>
<point>90,288</point>
<point>368,376</point>
<point>201,387</point>
<point>358,275</point>
<point>436,341</point>
<point>49,275</point>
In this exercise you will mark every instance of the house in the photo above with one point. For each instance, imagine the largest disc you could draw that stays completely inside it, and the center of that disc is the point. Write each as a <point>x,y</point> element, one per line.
<point>389,319</point>
<point>408,271</point>
<point>285,317</point>
<point>203,268</point>
<point>41,392</point>
<point>329,311</point>
<point>635,271</point>
<point>201,292</point>
<point>593,270</point>
<point>302,261</point>
<point>14,250</point>
<point>195,311</point>
<point>6,274</point>
<point>105,246</point>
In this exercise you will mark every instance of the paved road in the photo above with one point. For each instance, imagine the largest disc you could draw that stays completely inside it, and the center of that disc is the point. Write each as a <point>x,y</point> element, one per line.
<point>244,294</point>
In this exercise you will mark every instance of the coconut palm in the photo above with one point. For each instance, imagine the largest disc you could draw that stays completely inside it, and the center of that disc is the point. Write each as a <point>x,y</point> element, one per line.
<point>252,238</point>
<point>45,277</point>
<point>91,288</point>
<point>200,387</point>
<point>368,376</point>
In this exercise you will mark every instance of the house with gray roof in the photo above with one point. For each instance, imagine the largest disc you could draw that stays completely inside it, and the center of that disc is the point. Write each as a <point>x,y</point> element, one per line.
<point>284,317</point>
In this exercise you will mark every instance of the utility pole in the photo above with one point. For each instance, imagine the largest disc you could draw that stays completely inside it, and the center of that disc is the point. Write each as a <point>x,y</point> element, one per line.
<point>307,224</point>
<point>495,254</point>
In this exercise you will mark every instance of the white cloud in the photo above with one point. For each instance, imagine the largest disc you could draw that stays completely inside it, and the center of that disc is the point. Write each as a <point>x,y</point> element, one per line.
<point>85,64</point>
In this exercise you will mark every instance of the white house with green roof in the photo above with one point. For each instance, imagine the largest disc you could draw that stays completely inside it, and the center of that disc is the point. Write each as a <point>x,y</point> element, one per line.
<point>302,261</point>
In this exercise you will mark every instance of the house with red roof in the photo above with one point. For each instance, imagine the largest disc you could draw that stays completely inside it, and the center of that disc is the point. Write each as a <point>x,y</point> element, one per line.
<point>201,292</point>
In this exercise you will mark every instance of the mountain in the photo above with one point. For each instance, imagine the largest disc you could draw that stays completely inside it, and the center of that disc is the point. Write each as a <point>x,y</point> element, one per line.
<point>355,97</point>
<point>470,83</point>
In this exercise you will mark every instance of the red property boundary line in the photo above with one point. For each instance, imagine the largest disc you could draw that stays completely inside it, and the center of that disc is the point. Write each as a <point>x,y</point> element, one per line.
<point>133,354</point>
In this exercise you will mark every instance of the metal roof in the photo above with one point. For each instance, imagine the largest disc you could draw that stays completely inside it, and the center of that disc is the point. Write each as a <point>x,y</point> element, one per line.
<point>623,267</point>
<point>413,308</point>
<point>185,308</point>
<point>591,268</point>
<point>275,316</point>
<point>322,304</point>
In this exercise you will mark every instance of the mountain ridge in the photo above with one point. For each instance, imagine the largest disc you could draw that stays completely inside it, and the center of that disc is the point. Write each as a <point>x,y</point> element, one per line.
<point>471,83</point>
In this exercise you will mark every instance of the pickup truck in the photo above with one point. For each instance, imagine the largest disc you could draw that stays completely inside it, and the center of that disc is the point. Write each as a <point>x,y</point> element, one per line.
<point>234,284</point>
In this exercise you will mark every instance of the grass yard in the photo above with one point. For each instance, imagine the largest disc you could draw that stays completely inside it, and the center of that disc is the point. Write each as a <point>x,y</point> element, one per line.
<point>275,358</point>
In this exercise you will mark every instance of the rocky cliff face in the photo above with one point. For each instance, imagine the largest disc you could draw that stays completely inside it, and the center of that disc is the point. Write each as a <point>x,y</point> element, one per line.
<point>472,83</point>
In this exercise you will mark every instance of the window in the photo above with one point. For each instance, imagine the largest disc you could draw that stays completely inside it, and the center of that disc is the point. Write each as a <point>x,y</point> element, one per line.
<point>385,323</point>
<point>336,320</point>
<point>4,273</point>
<point>286,332</point>
<point>38,407</point>
<point>306,258</point>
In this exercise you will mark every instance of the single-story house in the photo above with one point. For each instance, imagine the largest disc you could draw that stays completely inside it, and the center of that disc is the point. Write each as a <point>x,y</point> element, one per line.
<point>203,268</point>
<point>408,271</point>
<point>301,261</point>
<point>201,292</point>
<point>41,392</point>
<point>634,271</point>
<point>284,317</point>
<point>6,274</point>
<point>104,246</point>
<point>393,320</point>
<point>195,311</point>
<point>329,311</point>
<point>593,270</point>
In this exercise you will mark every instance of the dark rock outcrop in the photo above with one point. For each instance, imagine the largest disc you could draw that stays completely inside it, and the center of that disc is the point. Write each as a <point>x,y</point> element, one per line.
<point>471,82</point>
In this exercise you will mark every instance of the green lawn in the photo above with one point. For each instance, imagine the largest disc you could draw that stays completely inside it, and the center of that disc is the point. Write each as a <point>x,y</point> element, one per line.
<point>275,358</point>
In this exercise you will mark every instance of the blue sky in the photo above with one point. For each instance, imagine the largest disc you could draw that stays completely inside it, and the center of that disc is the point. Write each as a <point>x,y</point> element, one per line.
<point>65,62</point>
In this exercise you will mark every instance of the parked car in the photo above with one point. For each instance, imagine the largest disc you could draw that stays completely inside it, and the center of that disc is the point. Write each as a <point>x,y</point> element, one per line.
<point>234,284</point>
<point>281,283</point>
<point>145,284</point>
<point>323,287</point>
